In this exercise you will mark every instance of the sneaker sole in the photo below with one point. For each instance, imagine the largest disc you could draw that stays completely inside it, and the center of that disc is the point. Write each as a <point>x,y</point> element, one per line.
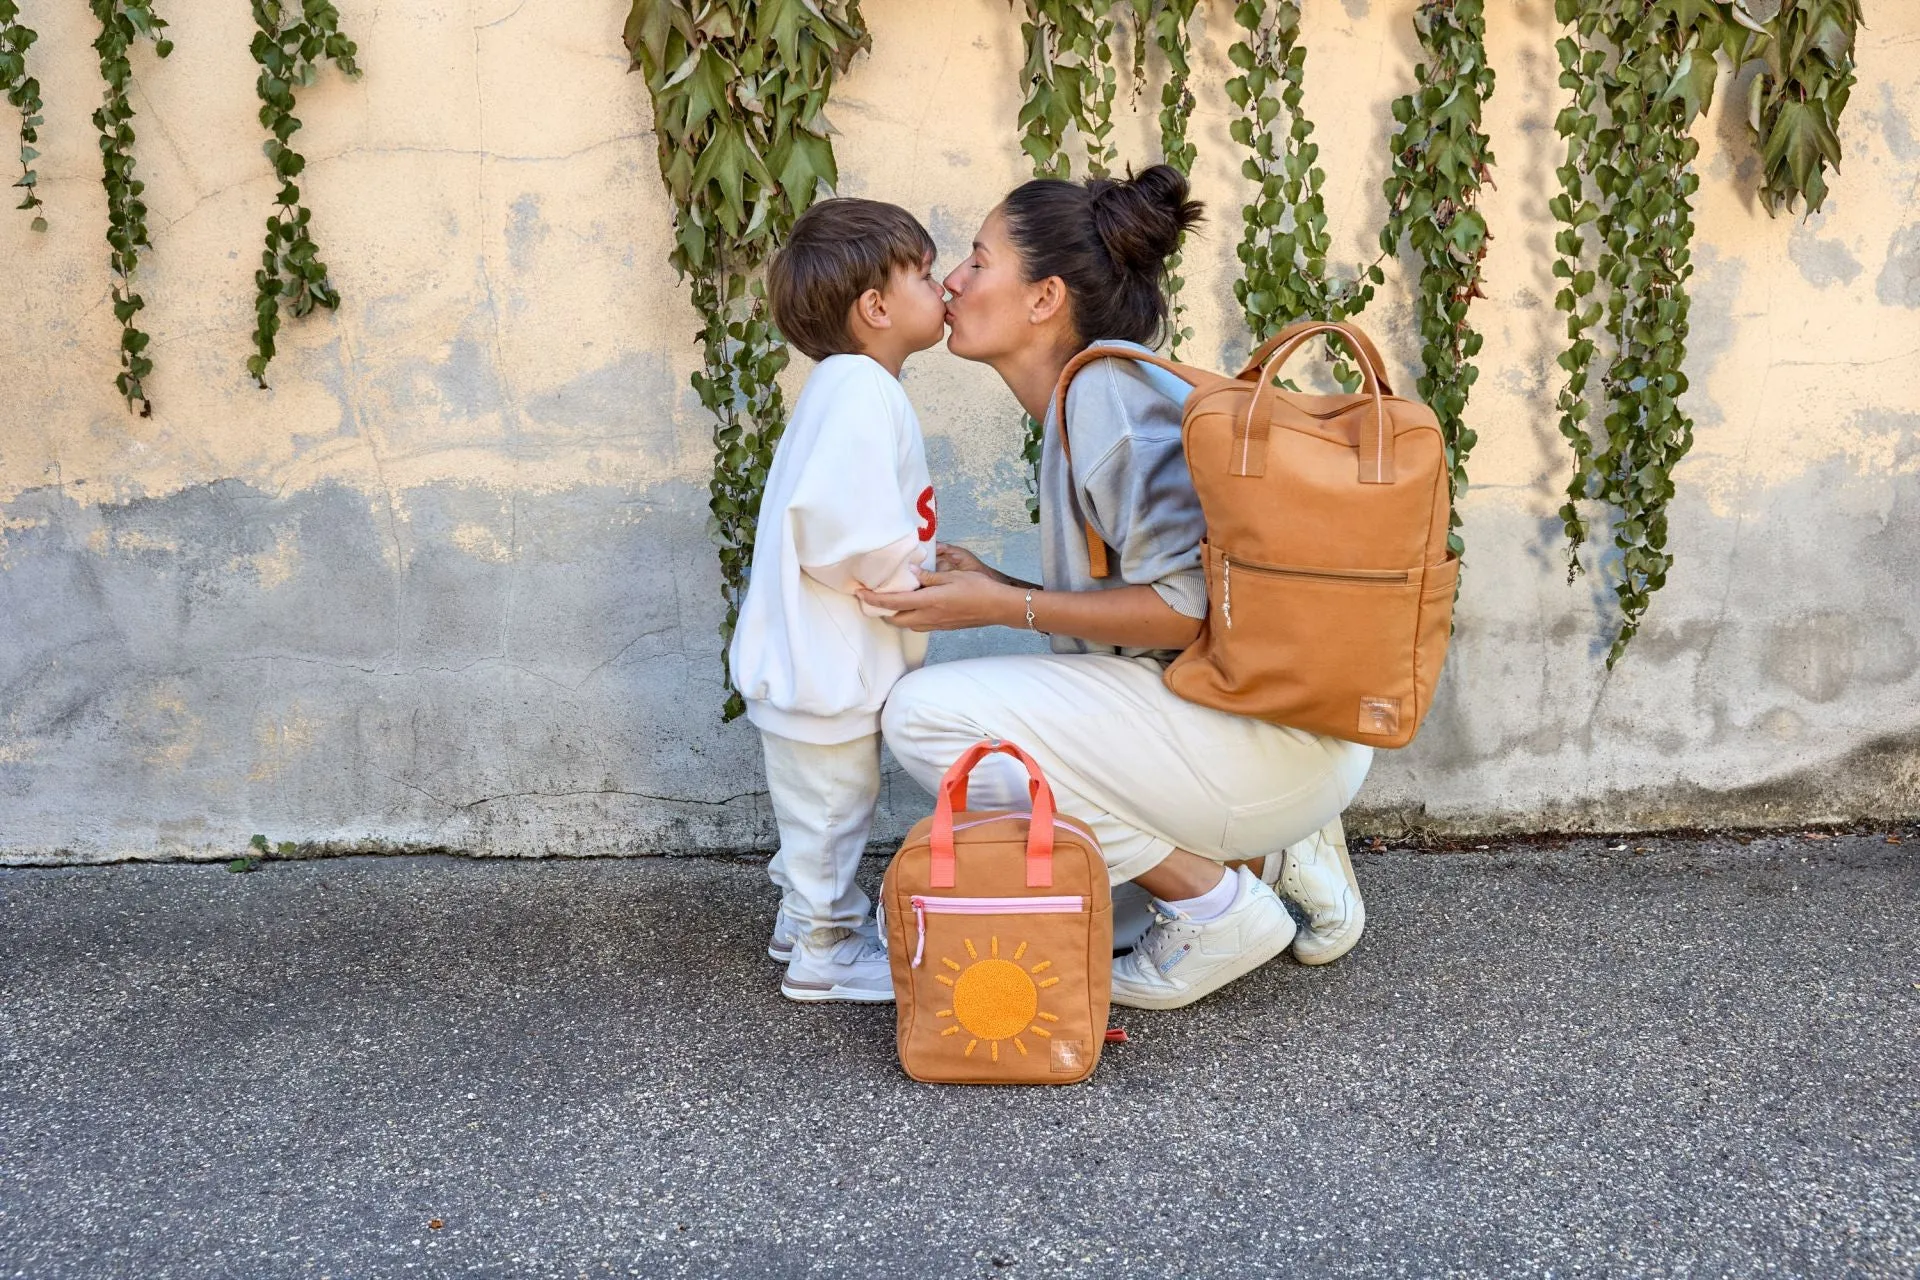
<point>834,995</point>
<point>1242,965</point>
<point>783,956</point>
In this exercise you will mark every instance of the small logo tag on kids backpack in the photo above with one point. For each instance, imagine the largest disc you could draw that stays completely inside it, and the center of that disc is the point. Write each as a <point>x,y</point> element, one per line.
<point>1069,1056</point>
<point>1380,715</point>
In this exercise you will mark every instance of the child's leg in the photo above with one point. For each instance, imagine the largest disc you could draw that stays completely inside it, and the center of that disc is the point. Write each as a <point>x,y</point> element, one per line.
<point>823,801</point>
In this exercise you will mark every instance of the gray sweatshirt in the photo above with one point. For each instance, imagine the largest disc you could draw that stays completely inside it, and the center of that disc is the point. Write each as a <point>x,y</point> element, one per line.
<point>1129,477</point>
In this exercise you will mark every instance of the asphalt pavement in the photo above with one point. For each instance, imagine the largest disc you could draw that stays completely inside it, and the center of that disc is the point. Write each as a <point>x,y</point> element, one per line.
<point>1662,1057</point>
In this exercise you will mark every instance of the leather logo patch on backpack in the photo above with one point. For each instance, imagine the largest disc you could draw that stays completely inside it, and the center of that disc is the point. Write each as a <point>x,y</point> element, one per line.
<point>1380,715</point>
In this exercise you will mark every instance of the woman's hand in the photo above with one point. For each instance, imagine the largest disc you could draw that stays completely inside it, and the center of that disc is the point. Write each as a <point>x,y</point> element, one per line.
<point>950,601</point>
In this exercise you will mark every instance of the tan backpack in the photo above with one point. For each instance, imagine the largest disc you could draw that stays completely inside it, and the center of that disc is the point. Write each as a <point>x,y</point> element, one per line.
<point>1000,935</point>
<point>1329,587</point>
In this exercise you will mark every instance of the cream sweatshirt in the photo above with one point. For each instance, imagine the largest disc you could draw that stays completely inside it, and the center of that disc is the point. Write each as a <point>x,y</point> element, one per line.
<point>847,504</point>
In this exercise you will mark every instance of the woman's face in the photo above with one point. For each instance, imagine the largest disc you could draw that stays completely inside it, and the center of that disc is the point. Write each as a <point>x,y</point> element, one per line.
<point>990,302</point>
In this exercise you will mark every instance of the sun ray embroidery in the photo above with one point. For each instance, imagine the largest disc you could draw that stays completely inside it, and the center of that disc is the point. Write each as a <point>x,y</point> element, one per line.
<point>995,998</point>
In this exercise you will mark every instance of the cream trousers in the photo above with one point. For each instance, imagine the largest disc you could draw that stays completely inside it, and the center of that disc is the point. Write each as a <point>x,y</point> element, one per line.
<point>1148,770</point>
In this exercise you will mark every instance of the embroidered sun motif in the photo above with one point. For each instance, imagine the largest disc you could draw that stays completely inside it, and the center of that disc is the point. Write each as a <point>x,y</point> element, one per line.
<point>995,999</point>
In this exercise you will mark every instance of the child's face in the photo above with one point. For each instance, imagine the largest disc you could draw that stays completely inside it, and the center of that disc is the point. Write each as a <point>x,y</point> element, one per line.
<point>917,303</point>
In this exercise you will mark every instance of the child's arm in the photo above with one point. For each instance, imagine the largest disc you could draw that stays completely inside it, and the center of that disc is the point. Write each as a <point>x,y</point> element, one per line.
<point>851,526</point>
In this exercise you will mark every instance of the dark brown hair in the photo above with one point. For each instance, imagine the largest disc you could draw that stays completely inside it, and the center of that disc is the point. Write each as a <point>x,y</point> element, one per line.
<point>1108,239</point>
<point>837,251</point>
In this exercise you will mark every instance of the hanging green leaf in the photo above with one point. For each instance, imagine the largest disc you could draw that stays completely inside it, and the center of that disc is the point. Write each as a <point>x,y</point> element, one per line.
<point>23,94</point>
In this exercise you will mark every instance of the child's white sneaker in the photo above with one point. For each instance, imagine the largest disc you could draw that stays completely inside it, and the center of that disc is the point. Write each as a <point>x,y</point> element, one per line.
<point>1182,959</point>
<point>1317,875</point>
<point>785,931</point>
<point>838,964</point>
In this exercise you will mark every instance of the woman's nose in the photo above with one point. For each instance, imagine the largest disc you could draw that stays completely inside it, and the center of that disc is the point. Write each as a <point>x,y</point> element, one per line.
<point>952,283</point>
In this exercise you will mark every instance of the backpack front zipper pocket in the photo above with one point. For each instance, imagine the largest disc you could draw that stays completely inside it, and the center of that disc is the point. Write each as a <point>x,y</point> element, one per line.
<point>924,904</point>
<point>1359,577</point>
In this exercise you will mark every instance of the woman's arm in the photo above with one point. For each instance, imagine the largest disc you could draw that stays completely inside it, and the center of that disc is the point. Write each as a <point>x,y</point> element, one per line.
<point>1133,617</point>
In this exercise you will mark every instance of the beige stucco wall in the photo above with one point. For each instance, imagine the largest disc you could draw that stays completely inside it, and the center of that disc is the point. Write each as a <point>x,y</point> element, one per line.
<point>446,584</point>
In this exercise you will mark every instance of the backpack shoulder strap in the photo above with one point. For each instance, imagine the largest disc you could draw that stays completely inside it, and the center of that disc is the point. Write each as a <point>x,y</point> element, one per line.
<point>1098,562</point>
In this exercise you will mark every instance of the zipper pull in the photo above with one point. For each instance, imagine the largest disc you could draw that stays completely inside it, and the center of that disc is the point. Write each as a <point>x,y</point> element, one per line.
<point>920,929</point>
<point>1226,590</point>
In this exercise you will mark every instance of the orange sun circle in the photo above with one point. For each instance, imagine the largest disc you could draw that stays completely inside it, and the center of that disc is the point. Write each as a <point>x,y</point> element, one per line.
<point>995,999</point>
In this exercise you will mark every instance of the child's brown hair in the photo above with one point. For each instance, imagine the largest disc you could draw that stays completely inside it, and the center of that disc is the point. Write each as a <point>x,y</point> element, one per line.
<point>837,251</point>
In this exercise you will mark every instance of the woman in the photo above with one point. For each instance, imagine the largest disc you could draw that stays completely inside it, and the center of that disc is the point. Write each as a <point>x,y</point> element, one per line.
<point>1185,799</point>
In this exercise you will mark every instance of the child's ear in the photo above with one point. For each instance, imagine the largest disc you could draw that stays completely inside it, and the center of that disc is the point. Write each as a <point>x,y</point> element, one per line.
<point>870,309</point>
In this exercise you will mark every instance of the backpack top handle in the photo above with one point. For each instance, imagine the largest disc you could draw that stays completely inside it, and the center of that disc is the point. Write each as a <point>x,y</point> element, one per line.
<point>953,799</point>
<point>1376,446</point>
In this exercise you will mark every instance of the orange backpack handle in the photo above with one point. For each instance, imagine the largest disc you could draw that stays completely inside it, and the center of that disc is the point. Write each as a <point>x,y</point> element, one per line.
<point>1376,446</point>
<point>953,799</point>
<point>1368,352</point>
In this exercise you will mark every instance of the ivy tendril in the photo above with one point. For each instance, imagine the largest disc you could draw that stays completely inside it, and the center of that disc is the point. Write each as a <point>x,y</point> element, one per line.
<point>293,39</point>
<point>122,22</point>
<point>739,90</point>
<point>23,94</point>
<point>1441,161</point>
<point>1283,251</point>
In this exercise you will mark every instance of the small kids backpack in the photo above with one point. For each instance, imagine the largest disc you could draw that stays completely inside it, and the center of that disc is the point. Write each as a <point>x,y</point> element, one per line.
<point>1000,933</point>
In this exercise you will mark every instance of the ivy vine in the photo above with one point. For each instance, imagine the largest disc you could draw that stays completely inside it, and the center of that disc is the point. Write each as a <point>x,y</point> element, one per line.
<point>1171,22</point>
<point>23,94</point>
<point>1284,245</point>
<point>739,90</point>
<point>1640,74</point>
<point>122,23</point>
<point>1441,162</point>
<point>292,41</point>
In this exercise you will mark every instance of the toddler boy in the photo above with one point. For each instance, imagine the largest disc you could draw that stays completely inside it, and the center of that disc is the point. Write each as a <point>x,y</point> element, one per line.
<point>847,505</point>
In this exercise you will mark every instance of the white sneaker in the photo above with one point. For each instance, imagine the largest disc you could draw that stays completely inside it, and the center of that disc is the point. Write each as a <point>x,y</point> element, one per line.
<point>780,945</point>
<point>1182,959</point>
<point>838,964</point>
<point>785,931</point>
<point>1317,875</point>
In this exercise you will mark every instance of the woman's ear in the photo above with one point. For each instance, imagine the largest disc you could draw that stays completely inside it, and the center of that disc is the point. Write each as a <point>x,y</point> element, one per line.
<point>1049,299</point>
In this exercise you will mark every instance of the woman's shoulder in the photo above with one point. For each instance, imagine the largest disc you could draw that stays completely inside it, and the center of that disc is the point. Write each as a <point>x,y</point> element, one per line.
<point>1115,397</point>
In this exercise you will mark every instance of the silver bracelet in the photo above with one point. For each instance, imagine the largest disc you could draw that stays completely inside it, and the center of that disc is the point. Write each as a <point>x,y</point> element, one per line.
<point>1030,625</point>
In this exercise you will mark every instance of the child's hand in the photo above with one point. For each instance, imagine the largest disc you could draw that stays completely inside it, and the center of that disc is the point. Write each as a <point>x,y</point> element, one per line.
<point>951,558</point>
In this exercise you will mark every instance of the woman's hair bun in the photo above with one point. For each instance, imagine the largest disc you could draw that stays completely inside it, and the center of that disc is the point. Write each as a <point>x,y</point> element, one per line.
<point>1140,218</point>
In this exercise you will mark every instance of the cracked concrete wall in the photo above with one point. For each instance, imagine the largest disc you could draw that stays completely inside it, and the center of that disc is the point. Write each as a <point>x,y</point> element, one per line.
<point>447,584</point>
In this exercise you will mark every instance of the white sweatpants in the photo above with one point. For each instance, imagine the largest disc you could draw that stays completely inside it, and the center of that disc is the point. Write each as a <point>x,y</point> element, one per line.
<point>1148,770</point>
<point>823,799</point>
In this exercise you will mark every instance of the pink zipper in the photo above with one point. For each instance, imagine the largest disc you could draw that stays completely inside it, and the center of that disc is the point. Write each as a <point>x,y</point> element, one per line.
<point>923,903</point>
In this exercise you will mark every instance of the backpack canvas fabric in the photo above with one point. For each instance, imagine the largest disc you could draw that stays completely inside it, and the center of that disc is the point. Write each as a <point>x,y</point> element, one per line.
<point>1329,586</point>
<point>1000,936</point>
